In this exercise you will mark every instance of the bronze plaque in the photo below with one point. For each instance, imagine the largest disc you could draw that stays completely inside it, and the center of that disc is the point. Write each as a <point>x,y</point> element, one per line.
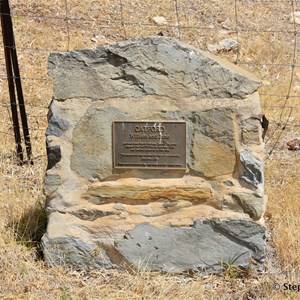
<point>149,144</point>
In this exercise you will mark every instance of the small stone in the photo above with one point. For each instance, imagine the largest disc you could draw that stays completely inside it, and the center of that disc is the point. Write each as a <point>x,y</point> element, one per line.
<point>169,204</point>
<point>228,183</point>
<point>293,144</point>
<point>160,20</point>
<point>118,206</point>
<point>96,200</point>
<point>228,44</point>
<point>251,204</point>
<point>224,45</point>
<point>226,25</point>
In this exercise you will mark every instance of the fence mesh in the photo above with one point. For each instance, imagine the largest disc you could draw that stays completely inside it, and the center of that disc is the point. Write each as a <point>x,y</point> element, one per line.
<point>267,33</point>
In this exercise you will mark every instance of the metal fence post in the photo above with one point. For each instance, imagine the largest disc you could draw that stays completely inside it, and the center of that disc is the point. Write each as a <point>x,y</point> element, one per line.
<point>14,83</point>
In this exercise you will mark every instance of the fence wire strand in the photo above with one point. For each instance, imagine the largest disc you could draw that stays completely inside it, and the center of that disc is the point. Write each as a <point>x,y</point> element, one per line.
<point>67,20</point>
<point>237,33</point>
<point>108,23</point>
<point>289,89</point>
<point>177,18</point>
<point>122,22</point>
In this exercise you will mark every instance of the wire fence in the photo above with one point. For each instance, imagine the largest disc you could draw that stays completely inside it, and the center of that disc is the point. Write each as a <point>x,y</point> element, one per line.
<point>266,32</point>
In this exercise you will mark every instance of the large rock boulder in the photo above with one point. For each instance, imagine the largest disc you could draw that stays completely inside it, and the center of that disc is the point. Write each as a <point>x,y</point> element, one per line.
<point>174,220</point>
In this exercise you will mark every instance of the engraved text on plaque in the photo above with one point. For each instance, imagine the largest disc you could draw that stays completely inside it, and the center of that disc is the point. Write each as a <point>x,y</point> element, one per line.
<point>149,144</point>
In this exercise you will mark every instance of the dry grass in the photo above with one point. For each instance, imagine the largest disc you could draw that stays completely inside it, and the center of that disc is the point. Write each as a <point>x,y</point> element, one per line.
<point>22,219</point>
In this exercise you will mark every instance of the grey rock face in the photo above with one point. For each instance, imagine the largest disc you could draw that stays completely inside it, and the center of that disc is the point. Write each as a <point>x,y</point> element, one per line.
<point>91,157</point>
<point>253,173</point>
<point>202,247</point>
<point>53,154</point>
<point>56,126</point>
<point>51,184</point>
<point>124,70</point>
<point>215,123</point>
<point>75,252</point>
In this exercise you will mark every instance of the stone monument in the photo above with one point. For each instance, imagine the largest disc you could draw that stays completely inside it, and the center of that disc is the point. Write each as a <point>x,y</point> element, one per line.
<point>155,159</point>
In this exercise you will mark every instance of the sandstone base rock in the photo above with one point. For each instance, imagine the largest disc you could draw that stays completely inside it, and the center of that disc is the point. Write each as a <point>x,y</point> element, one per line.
<point>171,220</point>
